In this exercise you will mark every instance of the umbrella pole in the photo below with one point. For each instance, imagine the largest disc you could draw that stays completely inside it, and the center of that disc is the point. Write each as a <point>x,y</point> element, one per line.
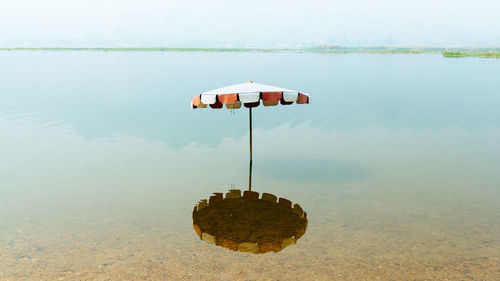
<point>250,173</point>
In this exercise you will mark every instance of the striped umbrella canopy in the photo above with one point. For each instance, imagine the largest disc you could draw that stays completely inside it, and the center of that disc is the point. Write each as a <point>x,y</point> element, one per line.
<point>249,95</point>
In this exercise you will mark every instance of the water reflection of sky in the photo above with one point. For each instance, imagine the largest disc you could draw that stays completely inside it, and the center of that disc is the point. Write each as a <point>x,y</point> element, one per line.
<point>147,94</point>
<point>113,113</point>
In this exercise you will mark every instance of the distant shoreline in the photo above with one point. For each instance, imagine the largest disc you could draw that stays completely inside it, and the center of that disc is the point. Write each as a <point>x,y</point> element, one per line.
<point>446,52</point>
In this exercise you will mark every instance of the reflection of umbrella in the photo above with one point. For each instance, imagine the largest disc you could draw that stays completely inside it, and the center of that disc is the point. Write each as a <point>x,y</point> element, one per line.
<point>247,223</point>
<point>249,94</point>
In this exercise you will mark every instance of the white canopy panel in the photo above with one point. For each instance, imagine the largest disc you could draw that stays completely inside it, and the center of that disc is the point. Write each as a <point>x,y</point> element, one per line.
<point>247,87</point>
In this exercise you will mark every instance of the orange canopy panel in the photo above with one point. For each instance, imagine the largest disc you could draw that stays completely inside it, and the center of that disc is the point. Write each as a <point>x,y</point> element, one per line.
<point>228,98</point>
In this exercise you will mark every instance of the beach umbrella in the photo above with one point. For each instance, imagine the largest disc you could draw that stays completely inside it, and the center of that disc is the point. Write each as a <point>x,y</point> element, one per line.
<point>249,95</point>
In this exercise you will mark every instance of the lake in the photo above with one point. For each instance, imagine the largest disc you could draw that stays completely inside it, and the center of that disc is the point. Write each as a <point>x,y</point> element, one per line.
<point>396,162</point>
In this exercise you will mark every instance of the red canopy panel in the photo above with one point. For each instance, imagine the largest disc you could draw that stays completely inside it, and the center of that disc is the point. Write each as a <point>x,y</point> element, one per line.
<point>217,105</point>
<point>252,104</point>
<point>302,99</point>
<point>271,96</point>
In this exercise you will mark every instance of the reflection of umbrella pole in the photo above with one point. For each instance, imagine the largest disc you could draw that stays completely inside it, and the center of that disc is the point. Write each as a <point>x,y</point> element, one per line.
<point>250,174</point>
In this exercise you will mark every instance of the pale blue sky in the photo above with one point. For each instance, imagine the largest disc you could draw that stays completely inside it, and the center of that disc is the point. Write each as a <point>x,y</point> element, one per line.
<point>256,23</point>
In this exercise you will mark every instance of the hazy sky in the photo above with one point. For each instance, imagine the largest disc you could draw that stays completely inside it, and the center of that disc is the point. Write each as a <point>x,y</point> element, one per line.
<point>256,23</point>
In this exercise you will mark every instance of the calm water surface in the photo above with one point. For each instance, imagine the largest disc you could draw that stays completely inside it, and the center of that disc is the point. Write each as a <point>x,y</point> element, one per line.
<point>396,161</point>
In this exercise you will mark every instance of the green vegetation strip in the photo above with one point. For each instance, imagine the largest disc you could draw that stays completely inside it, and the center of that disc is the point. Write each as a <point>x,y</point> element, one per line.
<point>472,54</point>
<point>446,52</point>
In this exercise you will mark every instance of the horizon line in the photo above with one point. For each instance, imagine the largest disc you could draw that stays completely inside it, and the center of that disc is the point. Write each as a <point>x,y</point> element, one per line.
<point>267,48</point>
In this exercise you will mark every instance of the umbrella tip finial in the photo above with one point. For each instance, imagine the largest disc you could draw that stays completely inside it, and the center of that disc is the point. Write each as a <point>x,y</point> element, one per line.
<point>250,81</point>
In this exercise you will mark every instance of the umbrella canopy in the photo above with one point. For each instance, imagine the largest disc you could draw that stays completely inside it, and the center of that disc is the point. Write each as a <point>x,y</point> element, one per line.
<point>249,94</point>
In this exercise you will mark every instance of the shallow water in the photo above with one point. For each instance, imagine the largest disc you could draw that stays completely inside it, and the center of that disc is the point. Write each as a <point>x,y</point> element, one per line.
<point>395,161</point>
